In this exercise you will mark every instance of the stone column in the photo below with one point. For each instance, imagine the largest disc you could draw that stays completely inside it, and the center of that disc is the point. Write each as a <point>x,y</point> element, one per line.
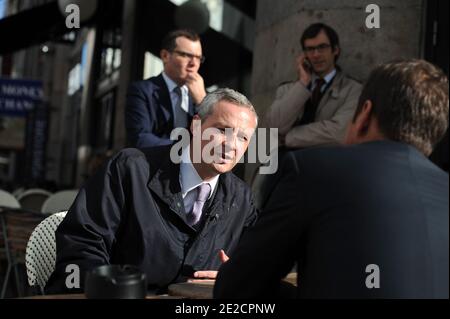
<point>132,63</point>
<point>280,24</point>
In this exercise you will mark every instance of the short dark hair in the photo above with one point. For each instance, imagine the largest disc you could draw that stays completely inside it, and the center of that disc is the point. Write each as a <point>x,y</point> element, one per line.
<point>410,102</point>
<point>169,42</point>
<point>314,29</point>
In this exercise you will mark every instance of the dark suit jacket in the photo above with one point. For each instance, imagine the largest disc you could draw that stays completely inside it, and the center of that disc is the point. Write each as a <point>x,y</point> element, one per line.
<point>338,210</point>
<point>149,113</point>
<point>132,212</point>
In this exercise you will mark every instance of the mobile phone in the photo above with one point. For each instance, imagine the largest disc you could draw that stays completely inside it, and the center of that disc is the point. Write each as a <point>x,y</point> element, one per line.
<point>307,65</point>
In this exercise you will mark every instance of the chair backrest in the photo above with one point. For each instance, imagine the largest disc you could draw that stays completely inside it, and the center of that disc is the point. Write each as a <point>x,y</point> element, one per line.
<point>40,255</point>
<point>16,193</point>
<point>8,200</point>
<point>59,201</point>
<point>33,198</point>
<point>17,227</point>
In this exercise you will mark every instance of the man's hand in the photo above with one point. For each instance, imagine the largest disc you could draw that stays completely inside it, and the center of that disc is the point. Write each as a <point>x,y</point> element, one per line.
<point>304,75</point>
<point>209,275</point>
<point>196,87</point>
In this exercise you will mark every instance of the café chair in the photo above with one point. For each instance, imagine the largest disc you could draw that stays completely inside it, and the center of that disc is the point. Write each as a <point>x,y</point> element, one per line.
<point>59,201</point>
<point>16,227</point>
<point>33,198</point>
<point>8,200</point>
<point>16,193</point>
<point>40,254</point>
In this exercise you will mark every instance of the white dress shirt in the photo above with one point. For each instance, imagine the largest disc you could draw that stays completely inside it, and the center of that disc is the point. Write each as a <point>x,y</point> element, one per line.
<point>190,180</point>
<point>327,79</point>
<point>171,85</point>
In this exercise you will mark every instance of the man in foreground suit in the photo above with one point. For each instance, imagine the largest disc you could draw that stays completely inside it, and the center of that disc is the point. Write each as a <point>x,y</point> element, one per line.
<point>168,219</point>
<point>159,104</point>
<point>368,220</point>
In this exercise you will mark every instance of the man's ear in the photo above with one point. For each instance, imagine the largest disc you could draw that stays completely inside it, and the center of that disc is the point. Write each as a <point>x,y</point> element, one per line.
<point>336,51</point>
<point>359,127</point>
<point>164,55</point>
<point>365,117</point>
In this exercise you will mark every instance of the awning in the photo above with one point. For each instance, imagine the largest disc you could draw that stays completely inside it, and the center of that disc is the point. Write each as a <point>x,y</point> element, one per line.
<point>225,58</point>
<point>31,27</point>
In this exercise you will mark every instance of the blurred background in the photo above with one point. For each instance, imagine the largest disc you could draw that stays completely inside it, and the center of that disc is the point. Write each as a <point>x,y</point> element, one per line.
<point>62,91</point>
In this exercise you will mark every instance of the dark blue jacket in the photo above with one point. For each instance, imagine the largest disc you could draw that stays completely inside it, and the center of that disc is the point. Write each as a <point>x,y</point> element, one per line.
<point>337,211</point>
<point>132,212</point>
<point>149,114</point>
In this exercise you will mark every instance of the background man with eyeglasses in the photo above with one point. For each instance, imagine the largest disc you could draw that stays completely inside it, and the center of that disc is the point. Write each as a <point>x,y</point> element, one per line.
<point>159,104</point>
<point>316,109</point>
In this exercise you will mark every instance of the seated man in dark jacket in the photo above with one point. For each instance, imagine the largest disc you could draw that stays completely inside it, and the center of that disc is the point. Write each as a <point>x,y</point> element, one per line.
<point>170,219</point>
<point>368,220</point>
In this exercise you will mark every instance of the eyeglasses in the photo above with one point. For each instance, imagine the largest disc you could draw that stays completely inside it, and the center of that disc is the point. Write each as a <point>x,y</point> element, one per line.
<point>321,48</point>
<point>190,56</point>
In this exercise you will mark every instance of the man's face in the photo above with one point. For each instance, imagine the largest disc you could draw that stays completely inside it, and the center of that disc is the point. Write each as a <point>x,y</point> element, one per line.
<point>184,59</point>
<point>320,54</point>
<point>229,128</point>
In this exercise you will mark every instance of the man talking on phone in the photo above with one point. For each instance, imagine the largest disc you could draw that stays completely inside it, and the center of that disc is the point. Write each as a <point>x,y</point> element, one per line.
<point>315,109</point>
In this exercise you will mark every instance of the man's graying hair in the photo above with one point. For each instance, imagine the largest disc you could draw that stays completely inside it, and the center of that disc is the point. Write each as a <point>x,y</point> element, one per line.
<point>206,107</point>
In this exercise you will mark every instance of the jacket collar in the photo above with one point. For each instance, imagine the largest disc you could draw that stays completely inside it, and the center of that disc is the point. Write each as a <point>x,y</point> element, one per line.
<point>337,84</point>
<point>334,91</point>
<point>162,95</point>
<point>171,85</point>
<point>189,177</point>
<point>328,78</point>
<point>165,184</point>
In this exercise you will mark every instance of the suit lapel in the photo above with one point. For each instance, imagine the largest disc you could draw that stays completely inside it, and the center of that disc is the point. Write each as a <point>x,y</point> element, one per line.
<point>162,98</point>
<point>166,186</point>
<point>332,93</point>
<point>191,107</point>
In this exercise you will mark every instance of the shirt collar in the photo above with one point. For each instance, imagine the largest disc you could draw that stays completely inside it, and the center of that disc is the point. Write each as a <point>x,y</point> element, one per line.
<point>189,178</point>
<point>171,85</point>
<point>327,77</point>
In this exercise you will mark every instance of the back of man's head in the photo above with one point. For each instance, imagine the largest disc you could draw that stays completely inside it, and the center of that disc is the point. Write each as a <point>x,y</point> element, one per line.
<point>410,102</point>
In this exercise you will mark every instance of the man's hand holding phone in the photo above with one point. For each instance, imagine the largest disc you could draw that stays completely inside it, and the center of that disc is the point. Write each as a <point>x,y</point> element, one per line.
<point>304,70</point>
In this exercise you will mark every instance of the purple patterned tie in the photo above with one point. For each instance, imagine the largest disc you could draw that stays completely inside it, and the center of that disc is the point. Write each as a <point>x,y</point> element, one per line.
<point>203,194</point>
